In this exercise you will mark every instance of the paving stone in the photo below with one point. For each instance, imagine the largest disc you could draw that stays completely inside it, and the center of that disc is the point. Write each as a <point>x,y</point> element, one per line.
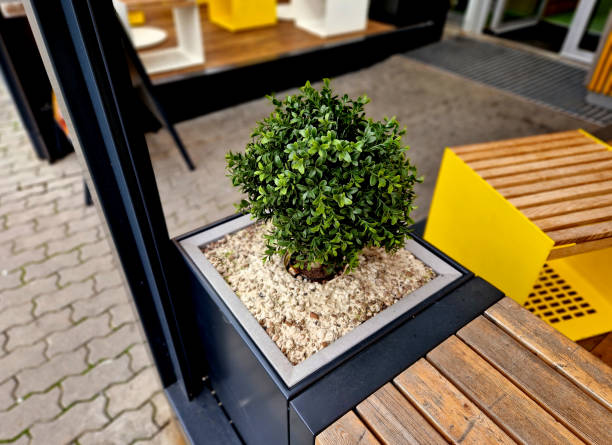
<point>79,419</point>
<point>6,394</point>
<point>37,408</point>
<point>74,201</point>
<point>86,269</point>
<point>26,292</point>
<point>15,315</point>
<point>72,241</point>
<point>60,218</point>
<point>10,280</point>
<point>91,221</point>
<point>132,394</point>
<point>93,250</point>
<point>121,314</point>
<point>60,298</point>
<point>22,194</point>
<point>17,232</point>
<point>54,264</point>
<point>40,378</point>
<point>47,197</point>
<point>98,303</point>
<point>39,328</point>
<point>30,214</point>
<point>10,207</point>
<point>77,335</point>
<point>23,440</point>
<point>163,410</point>
<point>129,426</point>
<point>85,386</point>
<point>24,257</point>
<point>171,434</point>
<point>141,358</point>
<point>40,237</point>
<point>62,182</point>
<point>107,279</point>
<point>22,358</point>
<point>114,344</point>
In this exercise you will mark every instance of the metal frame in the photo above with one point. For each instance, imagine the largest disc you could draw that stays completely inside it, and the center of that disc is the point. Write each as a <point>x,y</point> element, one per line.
<point>571,48</point>
<point>90,76</point>
<point>498,26</point>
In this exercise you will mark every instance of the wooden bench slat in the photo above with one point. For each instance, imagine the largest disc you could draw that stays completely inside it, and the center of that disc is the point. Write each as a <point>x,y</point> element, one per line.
<point>514,411</point>
<point>568,358</point>
<point>563,207</point>
<point>563,399</point>
<point>348,430</point>
<point>554,184</point>
<point>577,249</point>
<point>395,421</point>
<point>582,234</point>
<point>453,414</point>
<point>580,191</point>
<point>568,220</point>
<point>541,146</point>
<point>548,164</point>
<point>543,175</point>
<point>525,158</point>
<point>528,140</point>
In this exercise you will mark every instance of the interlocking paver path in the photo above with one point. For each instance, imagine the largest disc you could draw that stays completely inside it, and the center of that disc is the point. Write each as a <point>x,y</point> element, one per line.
<point>74,367</point>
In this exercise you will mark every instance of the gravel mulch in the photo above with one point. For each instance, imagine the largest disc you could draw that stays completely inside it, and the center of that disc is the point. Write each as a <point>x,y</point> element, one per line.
<point>303,317</point>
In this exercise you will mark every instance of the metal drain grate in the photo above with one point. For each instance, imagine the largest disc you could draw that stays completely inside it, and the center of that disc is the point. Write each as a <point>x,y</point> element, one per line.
<point>539,79</point>
<point>555,300</point>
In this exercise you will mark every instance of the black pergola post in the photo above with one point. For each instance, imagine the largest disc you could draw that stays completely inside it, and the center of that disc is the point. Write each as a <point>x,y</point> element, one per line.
<point>86,63</point>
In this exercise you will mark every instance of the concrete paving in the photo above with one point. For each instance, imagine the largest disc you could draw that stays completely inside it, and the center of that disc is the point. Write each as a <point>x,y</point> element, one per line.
<point>74,367</point>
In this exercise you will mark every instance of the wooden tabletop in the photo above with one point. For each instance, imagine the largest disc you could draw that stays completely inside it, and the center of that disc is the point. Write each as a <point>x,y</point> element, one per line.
<point>561,181</point>
<point>507,377</point>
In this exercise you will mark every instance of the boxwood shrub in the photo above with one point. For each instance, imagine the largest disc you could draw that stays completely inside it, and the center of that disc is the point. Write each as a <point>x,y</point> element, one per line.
<point>330,180</point>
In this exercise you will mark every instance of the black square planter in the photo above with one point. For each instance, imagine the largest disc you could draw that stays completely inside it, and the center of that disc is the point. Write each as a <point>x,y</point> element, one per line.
<point>272,402</point>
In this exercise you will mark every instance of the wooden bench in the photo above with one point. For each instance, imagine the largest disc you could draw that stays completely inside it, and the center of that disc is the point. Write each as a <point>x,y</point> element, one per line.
<point>506,377</point>
<point>561,181</point>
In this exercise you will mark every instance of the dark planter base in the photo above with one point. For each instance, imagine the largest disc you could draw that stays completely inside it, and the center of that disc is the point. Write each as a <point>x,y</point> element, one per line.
<point>265,410</point>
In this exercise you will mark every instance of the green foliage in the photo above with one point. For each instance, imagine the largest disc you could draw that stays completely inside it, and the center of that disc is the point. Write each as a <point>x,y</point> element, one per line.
<point>330,180</point>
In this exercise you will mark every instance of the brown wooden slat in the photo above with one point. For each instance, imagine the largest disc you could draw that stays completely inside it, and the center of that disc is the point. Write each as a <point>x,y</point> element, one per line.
<point>548,164</point>
<point>582,234</point>
<point>563,399</point>
<point>589,216</point>
<point>554,184</point>
<point>591,342</point>
<point>554,348</point>
<point>566,194</point>
<point>348,430</point>
<point>528,140</point>
<point>395,421</point>
<point>603,351</point>
<point>543,175</point>
<point>577,249</point>
<point>563,207</point>
<point>447,408</point>
<point>494,153</point>
<point>536,156</point>
<point>523,419</point>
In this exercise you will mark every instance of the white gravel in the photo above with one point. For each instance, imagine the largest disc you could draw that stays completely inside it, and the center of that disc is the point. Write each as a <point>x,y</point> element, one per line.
<point>303,317</point>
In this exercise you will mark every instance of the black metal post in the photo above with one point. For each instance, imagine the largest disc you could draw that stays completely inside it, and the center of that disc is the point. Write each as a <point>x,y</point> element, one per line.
<point>86,64</point>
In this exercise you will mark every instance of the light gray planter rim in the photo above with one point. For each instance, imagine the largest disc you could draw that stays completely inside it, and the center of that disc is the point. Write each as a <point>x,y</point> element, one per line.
<point>293,374</point>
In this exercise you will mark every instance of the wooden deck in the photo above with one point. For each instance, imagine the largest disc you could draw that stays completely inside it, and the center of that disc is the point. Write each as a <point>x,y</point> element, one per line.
<point>507,377</point>
<point>562,182</point>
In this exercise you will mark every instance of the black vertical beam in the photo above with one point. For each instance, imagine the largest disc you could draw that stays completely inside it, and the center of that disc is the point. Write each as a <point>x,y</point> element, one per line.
<point>82,52</point>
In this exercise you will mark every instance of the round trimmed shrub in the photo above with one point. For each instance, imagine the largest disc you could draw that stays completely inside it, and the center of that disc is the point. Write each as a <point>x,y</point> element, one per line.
<point>331,181</point>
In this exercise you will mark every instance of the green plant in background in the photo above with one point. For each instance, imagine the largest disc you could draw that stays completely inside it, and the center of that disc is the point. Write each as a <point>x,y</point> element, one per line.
<point>330,180</point>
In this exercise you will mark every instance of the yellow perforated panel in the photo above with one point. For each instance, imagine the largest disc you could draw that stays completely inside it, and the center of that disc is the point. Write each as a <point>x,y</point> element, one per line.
<point>554,300</point>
